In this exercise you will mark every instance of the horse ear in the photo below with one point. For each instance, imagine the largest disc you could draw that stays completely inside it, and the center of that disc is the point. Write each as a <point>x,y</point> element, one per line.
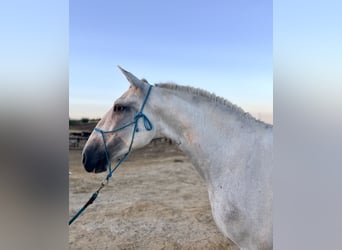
<point>133,79</point>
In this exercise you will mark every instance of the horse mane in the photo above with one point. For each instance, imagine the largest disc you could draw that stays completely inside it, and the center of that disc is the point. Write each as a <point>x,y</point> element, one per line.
<point>210,97</point>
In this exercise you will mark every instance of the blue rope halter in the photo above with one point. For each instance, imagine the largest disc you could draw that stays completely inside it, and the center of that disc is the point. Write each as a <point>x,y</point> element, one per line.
<point>148,126</point>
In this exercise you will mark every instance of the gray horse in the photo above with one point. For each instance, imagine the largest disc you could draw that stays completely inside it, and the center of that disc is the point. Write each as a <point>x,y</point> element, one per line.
<point>231,151</point>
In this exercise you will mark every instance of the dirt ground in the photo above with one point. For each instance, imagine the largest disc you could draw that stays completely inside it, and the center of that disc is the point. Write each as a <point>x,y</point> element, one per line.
<point>155,200</point>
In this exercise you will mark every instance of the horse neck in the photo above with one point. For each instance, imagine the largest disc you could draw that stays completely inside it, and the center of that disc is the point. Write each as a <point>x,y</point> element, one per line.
<point>200,127</point>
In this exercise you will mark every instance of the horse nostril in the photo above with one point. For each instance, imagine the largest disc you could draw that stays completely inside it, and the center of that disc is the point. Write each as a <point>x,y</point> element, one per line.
<point>84,159</point>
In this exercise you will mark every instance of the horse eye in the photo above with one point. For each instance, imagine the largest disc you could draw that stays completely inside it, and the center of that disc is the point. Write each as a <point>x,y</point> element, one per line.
<point>118,108</point>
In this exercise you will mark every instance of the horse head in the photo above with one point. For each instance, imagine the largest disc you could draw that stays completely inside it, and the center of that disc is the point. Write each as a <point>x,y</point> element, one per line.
<point>116,128</point>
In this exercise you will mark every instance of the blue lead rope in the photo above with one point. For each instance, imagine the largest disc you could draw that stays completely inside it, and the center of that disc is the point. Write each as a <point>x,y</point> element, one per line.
<point>148,126</point>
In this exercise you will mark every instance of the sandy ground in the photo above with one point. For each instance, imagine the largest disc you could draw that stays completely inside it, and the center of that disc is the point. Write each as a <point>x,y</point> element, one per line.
<point>155,200</point>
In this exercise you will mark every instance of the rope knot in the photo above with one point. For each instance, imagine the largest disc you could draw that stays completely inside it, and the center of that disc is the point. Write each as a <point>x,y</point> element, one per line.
<point>147,123</point>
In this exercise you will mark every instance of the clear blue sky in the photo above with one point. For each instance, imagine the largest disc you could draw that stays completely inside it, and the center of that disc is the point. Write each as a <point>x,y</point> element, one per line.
<point>221,46</point>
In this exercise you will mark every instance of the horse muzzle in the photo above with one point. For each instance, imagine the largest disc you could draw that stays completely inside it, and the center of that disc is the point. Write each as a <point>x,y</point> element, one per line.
<point>94,161</point>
